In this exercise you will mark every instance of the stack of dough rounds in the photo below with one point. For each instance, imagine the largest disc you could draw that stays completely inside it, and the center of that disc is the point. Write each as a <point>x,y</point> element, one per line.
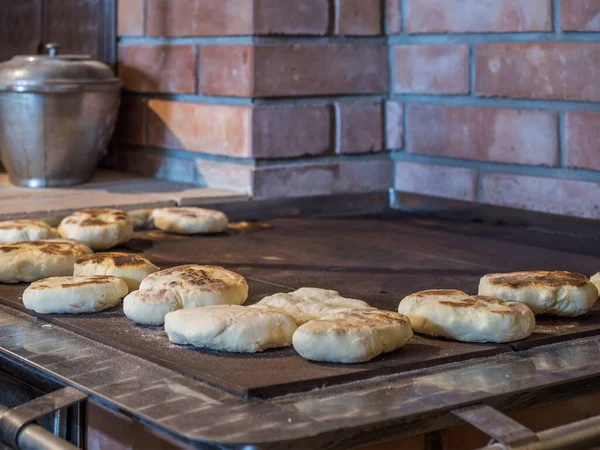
<point>99,229</point>
<point>564,294</point>
<point>189,220</point>
<point>131,268</point>
<point>353,336</point>
<point>596,280</point>
<point>307,304</point>
<point>25,230</point>
<point>183,287</point>
<point>230,328</point>
<point>74,295</point>
<point>141,219</point>
<point>34,260</point>
<point>456,315</point>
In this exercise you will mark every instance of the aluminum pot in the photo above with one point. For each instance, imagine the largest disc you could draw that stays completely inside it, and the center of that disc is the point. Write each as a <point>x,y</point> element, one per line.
<point>57,114</point>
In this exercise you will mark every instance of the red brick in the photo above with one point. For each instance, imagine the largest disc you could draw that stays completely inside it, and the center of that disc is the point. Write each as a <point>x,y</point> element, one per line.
<point>227,70</point>
<point>325,69</point>
<point>294,70</point>
<point>158,68</point>
<point>156,166</point>
<point>484,134</point>
<point>394,16</point>
<point>364,175</point>
<point>580,15</point>
<point>283,132</point>
<point>358,17</point>
<point>359,127</point>
<point>130,18</point>
<point>298,17</point>
<point>582,136</point>
<point>551,70</point>
<point>394,126</point>
<point>431,69</point>
<point>436,181</point>
<point>132,122</point>
<point>471,16</point>
<point>206,128</point>
<point>549,195</point>
<point>221,175</point>
<point>199,17</point>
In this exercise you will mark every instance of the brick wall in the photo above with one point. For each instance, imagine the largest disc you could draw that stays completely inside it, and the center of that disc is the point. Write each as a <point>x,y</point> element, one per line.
<point>489,101</point>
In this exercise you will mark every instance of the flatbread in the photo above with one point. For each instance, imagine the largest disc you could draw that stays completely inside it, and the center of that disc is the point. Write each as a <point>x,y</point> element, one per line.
<point>25,230</point>
<point>131,268</point>
<point>183,287</point>
<point>74,295</point>
<point>190,220</point>
<point>230,328</point>
<point>141,219</point>
<point>34,260</point>
<point>353,336</point>
<point>307,304</point>
<point>457,315</point>
<point>596,280</point>
<point>563,294</point>
<point>99,229</point>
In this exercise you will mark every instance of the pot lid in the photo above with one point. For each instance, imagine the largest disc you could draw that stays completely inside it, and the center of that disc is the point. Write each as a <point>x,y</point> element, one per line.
<point>55,73</point>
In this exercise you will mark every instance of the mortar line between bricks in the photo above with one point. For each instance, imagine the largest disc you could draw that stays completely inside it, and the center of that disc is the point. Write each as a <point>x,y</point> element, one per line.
<point>405,126</point>
<point>404,12</point>
<point>498,103</point>
<point>556,17</point>
<point>486,38</point>
<point>562,147</point>
<point>472,71</point>
<point>249,40</point>
<point>498,167</point>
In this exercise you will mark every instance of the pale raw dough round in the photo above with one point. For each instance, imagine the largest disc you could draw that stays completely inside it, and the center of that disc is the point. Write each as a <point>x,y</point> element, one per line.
<point>230,328</point>
<point>183,287</point>
<point>564,294</point>
<point>99,229</point>
<point>141,219</point>
<point>189,220</point>
<point>34,260</point>
<point>74,295</point>
<point>457,315</point>
<point>596,280</point>
<point>25,230</point>
<point>307,304</point>
<point>352,336</point>
<point>131,268</point>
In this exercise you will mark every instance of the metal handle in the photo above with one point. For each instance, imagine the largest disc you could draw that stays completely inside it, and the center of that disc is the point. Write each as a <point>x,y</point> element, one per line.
<point>52,48</point>
<point>18,430</point>
<point>507,434</point>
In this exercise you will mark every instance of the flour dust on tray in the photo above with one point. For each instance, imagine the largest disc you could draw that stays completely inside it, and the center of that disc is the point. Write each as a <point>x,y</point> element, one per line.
<point>98,228</point>
<point>307,304</point>
<point>564,294</point>
<point>74,295</point>
<point>34,260</point>
<point>457,315</point>
<point>131,268</point>
<point>230,328</point>
<point>183,287</point>
<point>25,230</point>
<point>352,336</point>
<point>189,220</point>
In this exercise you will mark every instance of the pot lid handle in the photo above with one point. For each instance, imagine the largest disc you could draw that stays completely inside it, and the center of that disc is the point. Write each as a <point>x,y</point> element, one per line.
<point>52,48</point>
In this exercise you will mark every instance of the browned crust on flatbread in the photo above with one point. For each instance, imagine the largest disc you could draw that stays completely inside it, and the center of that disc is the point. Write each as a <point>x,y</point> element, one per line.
<point>438,292</point>
<point>118,259</point>
<point>101,279</point>
<point>191,213</point>
<point>342,323</point>
<point>96,217</point>
<point>539,278</point>
<point>196,276</point>
<point>483,301</point>
<point>22,224</point>
<point>50,248</point>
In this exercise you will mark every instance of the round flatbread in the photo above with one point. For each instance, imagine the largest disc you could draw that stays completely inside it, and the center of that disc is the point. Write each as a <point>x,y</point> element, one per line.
<point>596,280</point>
<point>34,260</point>
<point>230,328</point>
<point>307,304</point>
<point>25,230</point>
<point>353,336</point>
<point>183,287</point>
<point>131,268</point>
<point>99,229</point>
<point>141,219</point>
<point>564,294</point>
<point>74,295</point>
<point>189,220</point>
<point>457,315</point>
